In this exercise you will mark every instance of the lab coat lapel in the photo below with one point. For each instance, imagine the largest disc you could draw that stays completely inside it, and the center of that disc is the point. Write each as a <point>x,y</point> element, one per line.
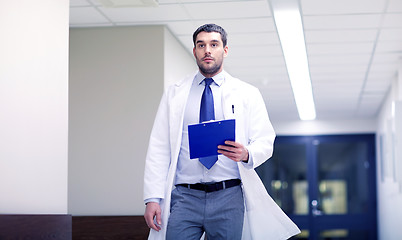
<point>233,107</point>
<point>228,100</point>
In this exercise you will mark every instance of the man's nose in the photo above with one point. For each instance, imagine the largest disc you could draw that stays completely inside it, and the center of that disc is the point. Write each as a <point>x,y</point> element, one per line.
<point>207,49</point>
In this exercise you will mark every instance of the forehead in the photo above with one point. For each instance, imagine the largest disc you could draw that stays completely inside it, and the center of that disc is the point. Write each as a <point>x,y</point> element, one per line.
<point>208,37</point>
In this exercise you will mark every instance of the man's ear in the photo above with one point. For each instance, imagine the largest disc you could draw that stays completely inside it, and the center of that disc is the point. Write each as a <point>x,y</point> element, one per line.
<point>194,51</point>
<point>225,51</point>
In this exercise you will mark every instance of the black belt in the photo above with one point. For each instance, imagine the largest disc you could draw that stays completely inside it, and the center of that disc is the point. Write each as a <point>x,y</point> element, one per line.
<point>212,187</point>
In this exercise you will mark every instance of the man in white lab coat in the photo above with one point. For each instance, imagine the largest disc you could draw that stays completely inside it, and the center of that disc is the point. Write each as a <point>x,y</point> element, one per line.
<point>171,175</point>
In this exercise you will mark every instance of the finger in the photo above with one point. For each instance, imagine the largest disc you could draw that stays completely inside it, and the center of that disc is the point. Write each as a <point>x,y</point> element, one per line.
<point>153,211</point>
<point>236,154</point>
<point>234,150</point>
<point>149,221</point>
<point>158,218</point>
<point>231,155</point>
<point>156,228</point>
<point>152,225</point>
<point>227,148</point>
<point>232,143</point>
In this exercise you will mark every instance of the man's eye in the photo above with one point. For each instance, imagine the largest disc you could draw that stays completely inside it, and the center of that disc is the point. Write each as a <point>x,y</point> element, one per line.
<point>201,45</point>
<point>214,45</point>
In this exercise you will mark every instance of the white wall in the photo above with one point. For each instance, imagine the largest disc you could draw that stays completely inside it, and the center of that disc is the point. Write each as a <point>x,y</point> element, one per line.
<point>321,127</point>
<point>117,76</point>
<point>33,106</point>
<point>178,61</point>
<point>389,190</point>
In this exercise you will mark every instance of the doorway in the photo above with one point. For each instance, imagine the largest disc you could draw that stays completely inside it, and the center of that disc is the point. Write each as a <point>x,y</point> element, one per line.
<point>325,184</point>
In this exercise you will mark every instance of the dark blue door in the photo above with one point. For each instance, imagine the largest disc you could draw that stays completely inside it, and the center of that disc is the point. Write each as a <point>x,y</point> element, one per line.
<point>326,184</point>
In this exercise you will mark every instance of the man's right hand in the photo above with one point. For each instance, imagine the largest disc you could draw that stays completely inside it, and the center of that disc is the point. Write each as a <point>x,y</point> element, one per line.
<point>153,210</point>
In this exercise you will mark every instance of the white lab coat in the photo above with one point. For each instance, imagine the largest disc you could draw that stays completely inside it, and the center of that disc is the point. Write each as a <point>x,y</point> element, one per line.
<point>263,218</point>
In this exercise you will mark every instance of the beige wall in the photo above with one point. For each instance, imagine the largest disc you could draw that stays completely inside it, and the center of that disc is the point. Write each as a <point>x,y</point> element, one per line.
<point>33,106</point>
<point>117,78</point>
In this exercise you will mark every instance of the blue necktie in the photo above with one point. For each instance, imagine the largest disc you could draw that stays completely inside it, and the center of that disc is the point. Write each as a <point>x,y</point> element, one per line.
<point>207,113</point>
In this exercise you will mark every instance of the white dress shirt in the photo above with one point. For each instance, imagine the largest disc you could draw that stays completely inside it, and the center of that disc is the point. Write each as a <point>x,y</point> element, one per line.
<point>191,170</point>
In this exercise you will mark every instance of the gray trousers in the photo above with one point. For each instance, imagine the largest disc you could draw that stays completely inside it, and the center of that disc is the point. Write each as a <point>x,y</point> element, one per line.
<point>219,214</point>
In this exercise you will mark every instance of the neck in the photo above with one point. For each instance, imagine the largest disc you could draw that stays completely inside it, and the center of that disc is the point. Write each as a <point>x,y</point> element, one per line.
<point>210,75</point>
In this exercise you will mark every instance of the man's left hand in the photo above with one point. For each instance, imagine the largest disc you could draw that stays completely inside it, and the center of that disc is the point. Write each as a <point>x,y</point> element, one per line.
<point>234,150</point>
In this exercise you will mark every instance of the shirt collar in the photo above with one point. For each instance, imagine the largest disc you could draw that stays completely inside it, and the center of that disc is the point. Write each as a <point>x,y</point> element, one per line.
<point>218,79</point>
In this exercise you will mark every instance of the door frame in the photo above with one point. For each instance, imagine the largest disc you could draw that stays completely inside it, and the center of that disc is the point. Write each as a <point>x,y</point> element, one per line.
<point>315,223</point>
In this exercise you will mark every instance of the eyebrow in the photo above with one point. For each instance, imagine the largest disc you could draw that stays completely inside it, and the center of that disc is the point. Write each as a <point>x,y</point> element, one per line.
<point>201,41</point>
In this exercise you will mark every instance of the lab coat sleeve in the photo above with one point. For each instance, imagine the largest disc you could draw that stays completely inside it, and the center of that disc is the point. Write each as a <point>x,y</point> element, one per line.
<point>158,155</point>
<point>261,134</point>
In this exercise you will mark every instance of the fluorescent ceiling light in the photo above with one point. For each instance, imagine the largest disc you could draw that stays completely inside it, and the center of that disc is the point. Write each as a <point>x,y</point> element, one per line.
<point>288,21</point>
<point>129,3</point>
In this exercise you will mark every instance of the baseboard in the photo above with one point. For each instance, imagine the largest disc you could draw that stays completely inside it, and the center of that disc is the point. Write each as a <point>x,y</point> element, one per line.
<point>109,228</point>
<point>38,227</point>
<point>66,227</point>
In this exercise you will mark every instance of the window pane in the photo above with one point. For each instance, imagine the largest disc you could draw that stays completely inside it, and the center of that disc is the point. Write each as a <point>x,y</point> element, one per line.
<point>343,177</point>
<point>304,235</point>
<point>284,177</point>
<point>344,234</point>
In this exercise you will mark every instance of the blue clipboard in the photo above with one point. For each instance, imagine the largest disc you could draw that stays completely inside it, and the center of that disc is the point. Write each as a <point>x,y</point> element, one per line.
<point>204,138</point>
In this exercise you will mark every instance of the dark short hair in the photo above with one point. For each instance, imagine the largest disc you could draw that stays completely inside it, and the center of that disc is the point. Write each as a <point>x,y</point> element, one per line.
<point>211,28</point>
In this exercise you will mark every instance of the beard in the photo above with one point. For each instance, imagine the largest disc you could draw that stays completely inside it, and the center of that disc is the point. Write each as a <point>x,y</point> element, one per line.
<point>210,69</point>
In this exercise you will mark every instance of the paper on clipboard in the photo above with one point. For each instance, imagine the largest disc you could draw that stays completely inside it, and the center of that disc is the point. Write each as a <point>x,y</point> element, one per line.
<point>204,138</point>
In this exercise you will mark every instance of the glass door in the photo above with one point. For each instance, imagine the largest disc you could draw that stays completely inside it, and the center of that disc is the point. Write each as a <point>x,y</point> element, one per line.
<point>326,184</point>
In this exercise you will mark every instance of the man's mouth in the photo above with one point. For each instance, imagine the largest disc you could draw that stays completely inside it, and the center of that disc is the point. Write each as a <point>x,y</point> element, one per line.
<point>207,59</point>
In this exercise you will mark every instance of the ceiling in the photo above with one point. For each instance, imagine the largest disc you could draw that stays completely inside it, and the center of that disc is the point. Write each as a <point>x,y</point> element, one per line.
<point>354,47</point>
